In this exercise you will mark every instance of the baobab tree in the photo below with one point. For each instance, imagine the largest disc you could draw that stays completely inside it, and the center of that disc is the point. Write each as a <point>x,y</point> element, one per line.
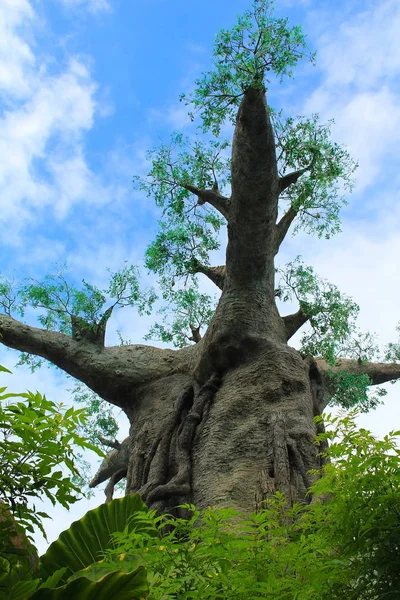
<point>225,418</point>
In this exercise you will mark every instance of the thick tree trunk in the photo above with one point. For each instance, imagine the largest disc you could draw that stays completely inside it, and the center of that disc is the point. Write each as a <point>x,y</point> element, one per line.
<point>231,442</point>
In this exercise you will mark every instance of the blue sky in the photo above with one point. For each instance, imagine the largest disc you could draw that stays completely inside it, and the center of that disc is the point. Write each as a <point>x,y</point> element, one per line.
<point>88,86</point>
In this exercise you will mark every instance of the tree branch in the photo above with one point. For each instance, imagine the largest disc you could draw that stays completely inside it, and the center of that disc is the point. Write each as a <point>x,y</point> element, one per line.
<point>196,335</point>
<point>110,443</point>
<point>212,196</point>
<point>378,372</point>
<point>94,333</point>
<point>294,321</point>
<point>215,274</point>
<point>113,373</point>
<point>291,178</point>
<point>282,227</point>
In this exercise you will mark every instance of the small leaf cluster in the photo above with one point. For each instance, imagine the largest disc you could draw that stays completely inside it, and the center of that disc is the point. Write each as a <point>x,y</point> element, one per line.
<point>100,419</point>
<point>392,350</point>
<point>304,143</point>
<point>179,245</point>
<point>60,300</point>
<point>185,161</point>
<point>189,309</point>
<point>9,301</point>
<point>243,57</point>
<point>331,314</point>
<point>37,441</point>
<point>349,390</point>
<point>361,346</point>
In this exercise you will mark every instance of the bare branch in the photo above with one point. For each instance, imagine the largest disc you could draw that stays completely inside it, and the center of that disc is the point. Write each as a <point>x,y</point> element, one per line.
<point>291,178</point>
<point>212,196</point>
<point>110,443</point>
<point>215,274</point>
<point>196,336</point>
<point>282,227</point>
<point>293,322</point>
<point>51,345</point>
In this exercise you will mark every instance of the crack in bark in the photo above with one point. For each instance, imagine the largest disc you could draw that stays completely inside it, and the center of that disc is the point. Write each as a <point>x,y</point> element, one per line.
<point>164,440</point>
<point>296,459</point>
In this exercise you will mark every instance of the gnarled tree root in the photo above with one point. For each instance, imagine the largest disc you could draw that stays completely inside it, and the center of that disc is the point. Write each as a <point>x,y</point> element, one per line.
<point>187,415</point>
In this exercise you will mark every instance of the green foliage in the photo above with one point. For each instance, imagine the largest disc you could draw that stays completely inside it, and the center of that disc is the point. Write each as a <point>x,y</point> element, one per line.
<point>190,310</point>
<point>116,584</point>
<point>351,390</point>
<point>178,246</point>
<point>392,350</point>
<point>96,527</point>
<point>316,196</point>
<point>57,301</point>
<point>72,569</point>
<point>60,301</point>
<point>188,228</point>
<point>37,437</point>
<point>243,56</point>
<point>362,347</point>
<point>363,483</point>
<point>185,162</point>
<point>342,545</point>
<point>331,314</point>
<point>256,45</point>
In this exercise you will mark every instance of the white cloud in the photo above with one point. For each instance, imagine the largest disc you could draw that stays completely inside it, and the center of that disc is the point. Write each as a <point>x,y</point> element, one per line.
<point>60,108</point>
<point>364,50</point>
<point>42,158</point>
<point>93,6</point>
<point>15,54</point>
<point>367,123</point>
<point>359,60</point>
